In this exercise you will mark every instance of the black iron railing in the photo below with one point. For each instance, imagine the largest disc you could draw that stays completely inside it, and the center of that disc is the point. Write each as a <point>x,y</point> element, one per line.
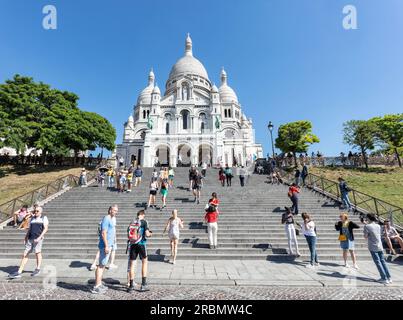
<point>8,208</point>
<point>361,202</point>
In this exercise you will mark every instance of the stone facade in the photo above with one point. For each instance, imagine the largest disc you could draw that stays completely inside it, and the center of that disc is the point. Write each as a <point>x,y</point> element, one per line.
<point>193,122</point>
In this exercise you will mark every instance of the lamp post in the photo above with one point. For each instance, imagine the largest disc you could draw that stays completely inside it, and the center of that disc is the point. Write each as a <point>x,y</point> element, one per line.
<point>270,127</point>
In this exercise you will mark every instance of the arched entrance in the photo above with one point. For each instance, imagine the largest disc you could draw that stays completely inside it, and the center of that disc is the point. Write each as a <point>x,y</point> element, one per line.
<point>184,155</point>
<point>139,157</point>
<point>205,154</point>
<point>162,155</point>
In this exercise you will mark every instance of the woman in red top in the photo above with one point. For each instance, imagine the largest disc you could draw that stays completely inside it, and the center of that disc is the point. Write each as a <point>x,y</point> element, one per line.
<point>211,218</point>
<point>293,195</point>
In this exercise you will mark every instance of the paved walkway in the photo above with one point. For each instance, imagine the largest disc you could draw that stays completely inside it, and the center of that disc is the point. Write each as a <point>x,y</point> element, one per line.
<point>213,273</point>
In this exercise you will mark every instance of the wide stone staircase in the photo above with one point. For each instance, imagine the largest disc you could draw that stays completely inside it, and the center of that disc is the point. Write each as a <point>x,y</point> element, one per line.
<point>249,222</point>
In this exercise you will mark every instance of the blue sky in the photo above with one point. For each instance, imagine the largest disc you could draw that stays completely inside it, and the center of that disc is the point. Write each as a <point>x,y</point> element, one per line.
<point>287,60</point>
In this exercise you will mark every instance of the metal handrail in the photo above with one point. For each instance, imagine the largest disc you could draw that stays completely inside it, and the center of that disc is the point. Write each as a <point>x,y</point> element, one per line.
<point>8,208</point>
<point>361,201</point>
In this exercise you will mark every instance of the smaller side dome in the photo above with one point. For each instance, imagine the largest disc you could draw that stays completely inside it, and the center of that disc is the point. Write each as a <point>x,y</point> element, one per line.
<point>214,89</point>
<point>227,94</point>
<point>156,90</point>
<point>145,95</point>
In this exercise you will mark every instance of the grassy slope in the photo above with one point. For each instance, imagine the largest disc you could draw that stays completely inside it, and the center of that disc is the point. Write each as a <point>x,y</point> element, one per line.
<point>18,180</point>
<point>383,183</point>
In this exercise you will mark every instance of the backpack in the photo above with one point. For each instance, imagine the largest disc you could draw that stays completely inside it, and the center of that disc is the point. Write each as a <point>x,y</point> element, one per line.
<point>134,235</point>
<point>211,208</point>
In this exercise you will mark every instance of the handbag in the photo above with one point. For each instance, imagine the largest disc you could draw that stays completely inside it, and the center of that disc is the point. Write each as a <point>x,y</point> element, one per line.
<point>342,237</point>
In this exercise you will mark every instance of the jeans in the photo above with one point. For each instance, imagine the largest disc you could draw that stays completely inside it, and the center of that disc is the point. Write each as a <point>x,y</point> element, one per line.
<point>110,182</point>
<point>242,180</point>
<point>311,240</point>
<point>292,237</point>
<point>380,263</point>
<point>294,207</point>
<point>346,200</point>
<point>212,228</point>
<point>83,180</point>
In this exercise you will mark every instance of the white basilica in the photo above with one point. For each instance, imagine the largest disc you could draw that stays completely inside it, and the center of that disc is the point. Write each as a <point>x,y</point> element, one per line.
<point>193,122</point>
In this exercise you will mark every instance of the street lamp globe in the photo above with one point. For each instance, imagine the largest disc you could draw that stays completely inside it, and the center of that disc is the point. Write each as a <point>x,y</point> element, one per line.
<point>270,126</point>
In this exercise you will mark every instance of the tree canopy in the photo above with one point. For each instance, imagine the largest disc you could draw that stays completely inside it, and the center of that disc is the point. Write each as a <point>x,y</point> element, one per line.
<point>295,137</point>
<point>390,131</point>
<point>360,134</point>
<point>34,115</point>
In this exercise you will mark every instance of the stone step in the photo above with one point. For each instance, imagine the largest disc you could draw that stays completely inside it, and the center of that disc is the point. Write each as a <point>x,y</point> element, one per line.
<point>249,223</point>
<point>200,256</point>
<point>201,243</point>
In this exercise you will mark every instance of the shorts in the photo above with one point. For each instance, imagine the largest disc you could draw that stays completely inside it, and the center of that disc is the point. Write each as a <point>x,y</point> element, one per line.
<point>164,193</point>
<point>170,177</point>
<point>153,192</point>
<point>196,187</point>
<point>103,257</point>
<point>31,247</point>
<point>137,250</point>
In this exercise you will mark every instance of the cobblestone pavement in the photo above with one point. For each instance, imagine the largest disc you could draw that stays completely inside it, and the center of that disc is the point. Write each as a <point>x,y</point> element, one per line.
<point>64,291</point>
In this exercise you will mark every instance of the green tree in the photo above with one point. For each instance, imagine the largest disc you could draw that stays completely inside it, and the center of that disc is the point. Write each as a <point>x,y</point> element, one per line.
<point>103,133</point>
<point>36,116</point>
<point>390,131</point>
<point>295,137</point>
<point>361,134</point>
<point>33,114</point>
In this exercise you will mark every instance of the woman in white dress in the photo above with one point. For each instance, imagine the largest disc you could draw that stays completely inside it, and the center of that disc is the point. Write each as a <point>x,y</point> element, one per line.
<point>173,225</point>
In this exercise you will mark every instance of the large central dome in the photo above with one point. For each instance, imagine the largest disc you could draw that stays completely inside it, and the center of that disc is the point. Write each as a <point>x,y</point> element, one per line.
<point>188,64</point>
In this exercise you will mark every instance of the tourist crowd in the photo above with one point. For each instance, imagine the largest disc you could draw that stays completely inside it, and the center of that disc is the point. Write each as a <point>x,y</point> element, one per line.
<point>139,231</point>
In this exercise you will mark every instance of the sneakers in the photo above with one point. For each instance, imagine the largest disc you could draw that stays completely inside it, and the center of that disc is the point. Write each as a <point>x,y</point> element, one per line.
<point>99,290</point>
<point>383,281</point>
<point>36,272</point>
<point>15,275</point>
<point>130,289</point>
<point>355,266</point>
<point>317,264</point>
<point>144,288</point>
<point>346,265</point>
<point>389,281</point>
<point>309,266</point>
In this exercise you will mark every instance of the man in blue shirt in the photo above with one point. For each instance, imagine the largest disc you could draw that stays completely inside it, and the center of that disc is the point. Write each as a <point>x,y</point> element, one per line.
<point>138,173</point>
<point>107,238</point>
